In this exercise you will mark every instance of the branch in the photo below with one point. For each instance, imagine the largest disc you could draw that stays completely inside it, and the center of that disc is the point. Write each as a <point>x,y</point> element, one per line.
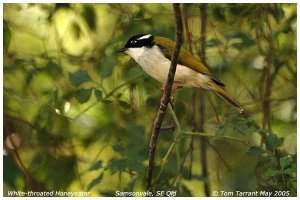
<point>203,13</point>
<point>186,25</point>
<point>177,136</point>
<point>166,96</point>
<point>181,165</point>
<point>107,96</point>
<point>165,160</point>
<point>244,141</point>
<point>203,147</point>
<point>189,39</point>
<point>20,120</point>
<point>266,76</point>
<point>221,157</point>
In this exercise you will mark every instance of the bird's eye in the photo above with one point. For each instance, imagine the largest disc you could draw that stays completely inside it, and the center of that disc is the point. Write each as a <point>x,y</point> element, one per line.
<point>133,41</point>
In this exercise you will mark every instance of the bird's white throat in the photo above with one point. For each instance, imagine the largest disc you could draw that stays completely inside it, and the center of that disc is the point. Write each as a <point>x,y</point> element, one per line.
<point>157,66</point>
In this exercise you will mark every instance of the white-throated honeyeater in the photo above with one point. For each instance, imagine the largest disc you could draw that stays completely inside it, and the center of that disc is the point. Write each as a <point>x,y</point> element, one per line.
<point>153,54</point>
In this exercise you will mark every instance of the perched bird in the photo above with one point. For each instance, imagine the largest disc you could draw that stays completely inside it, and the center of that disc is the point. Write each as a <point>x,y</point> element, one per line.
<point>153,54</point>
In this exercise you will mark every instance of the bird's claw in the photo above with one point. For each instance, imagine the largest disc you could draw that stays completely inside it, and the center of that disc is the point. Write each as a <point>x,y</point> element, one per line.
<point>172,101</point>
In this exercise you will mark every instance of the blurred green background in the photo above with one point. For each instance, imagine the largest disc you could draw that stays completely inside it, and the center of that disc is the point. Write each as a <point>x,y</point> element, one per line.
<point>78,116</point>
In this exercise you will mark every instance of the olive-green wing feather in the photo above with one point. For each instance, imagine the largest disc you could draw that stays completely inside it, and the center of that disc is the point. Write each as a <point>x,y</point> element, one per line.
<point>166,46</point>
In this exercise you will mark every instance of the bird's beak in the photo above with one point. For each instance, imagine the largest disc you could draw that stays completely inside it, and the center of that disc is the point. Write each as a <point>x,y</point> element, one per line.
<point>121,50</point>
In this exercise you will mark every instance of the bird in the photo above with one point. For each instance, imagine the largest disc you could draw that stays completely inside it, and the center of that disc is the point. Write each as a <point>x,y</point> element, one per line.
<point>153,54</point>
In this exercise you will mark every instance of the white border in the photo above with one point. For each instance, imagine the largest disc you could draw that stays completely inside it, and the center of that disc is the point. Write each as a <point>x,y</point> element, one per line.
<point>143,1</point>
<point>153,1</point>
<point>298,104</point>
<point>1,103</point>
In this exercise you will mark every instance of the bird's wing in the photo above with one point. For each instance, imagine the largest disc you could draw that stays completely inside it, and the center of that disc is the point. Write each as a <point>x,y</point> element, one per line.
<point>166,46</point>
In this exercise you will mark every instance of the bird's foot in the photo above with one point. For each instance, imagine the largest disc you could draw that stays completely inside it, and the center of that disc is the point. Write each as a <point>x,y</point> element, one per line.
<point>172,101</point>
<point>163,104</point>
<point>175,88</point>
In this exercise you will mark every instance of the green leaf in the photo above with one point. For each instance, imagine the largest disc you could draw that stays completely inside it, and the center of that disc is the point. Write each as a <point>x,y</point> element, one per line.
<point>241,45</point>
<point>62,5</point>
<point>186,175</point>
<point>273,141</point>
<point>96,165</point>
<point>79,77</point>
<point>118,148</point>
<point>277,12</point>
<point>135,129</point>
<point>213,42</point>
<point>12,172</point>
<point>271,172</point>
<point>49,169</point>
<point>219,13</point>
<point>290,170</point>
<point>30,75</point>
<point>109,193</point>
<point>135,165</point>
<point>76,30</point>
<point>53,69</point>
<point>246,40</point>
<point>285,161</point>
<point>241,128</point>
<point>90,17</point>
<point>184,190</point>
<point>106,66</point>
<point>75,60</point>
<point>130,185</point>
<point>98,94</point>
<point>222,130</point>
<point>233,35</point>
<point>116,165</point>
<point>255,151</point>
<point>237,46</point>
<point>83,95</point>
<point>241,10</point>
<point>95,182</point>
<point>125,105</point>
<point>264,161</point>
<point>6,35</point>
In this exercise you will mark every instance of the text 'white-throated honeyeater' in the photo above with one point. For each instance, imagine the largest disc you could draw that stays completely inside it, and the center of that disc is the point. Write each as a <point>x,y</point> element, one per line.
<point>153,54</point>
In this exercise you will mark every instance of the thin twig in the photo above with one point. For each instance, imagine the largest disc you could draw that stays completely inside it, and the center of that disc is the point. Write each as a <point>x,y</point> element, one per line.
<point>189,39</point>
<point>244,141</point>
<point>31,180</point>
<point>221,157</point>
<point>191,157</point>
<point>20,120</point>
<point>174,117</point>
<point>181,165</point>
<point>166,96</point>
<point>213,107</point>
<point>168,128</point>
<point>177,137</point>
<point>203,13</point>
<point>186,25</point>
<point>266,77</point>
<point>203,142</point>
<point>165,160</point>
<point>108,95</point>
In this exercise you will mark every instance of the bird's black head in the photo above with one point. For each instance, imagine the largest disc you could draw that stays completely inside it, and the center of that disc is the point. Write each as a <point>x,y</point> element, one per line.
<point>137,41</point>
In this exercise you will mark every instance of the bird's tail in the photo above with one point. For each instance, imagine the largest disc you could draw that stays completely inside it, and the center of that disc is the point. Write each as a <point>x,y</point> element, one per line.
<point>225,95</point>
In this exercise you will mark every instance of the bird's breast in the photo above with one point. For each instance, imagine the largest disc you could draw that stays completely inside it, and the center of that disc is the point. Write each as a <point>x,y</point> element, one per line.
<point>154,63</point>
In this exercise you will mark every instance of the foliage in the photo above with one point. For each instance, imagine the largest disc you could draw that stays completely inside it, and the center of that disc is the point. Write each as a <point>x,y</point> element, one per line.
<point>82,115</point>
<point>275,174</point>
